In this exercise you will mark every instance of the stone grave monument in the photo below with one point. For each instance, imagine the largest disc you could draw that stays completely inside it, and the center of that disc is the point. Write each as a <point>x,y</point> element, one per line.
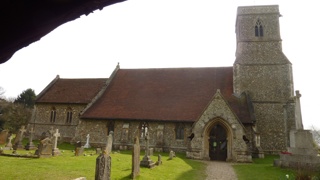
<point>301,153</point>
<point>18,140</point>
<point>87,145</point>
<point>159,162</point>
<point>9,144</point>
<point>55,149</point>
<point>135,158</point>
<point>146,161</point>
<point>44,148</point>
<point>30,145</point>
<point>103,161</point>
<point>172,154</point>
<point>79,149</point>
<point>3,136</point>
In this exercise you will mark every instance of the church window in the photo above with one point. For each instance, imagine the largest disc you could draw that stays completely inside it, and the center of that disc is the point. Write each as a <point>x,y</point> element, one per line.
<point>144,129</point>
<point>179,131</point>
<point>258,29</point>
<point>125,132</point>
<point>69,115</point>
<point>53,115</point>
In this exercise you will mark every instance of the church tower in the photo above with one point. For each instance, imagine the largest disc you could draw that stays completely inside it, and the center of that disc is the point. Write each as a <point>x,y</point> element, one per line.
<point>264,72</point>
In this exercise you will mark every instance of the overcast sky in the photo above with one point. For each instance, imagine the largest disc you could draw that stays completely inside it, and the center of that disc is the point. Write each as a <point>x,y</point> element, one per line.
<point>163,33</point>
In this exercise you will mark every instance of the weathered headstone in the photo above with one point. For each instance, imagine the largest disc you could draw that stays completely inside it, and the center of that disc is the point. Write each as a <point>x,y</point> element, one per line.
<point>9,144</point>
<point>135,158</point>
<point>98,151</point>
<point>103,167</point>
<point>159,162</point>
<point>3,136</point>
<point>87,145</point>
<point>109,143</point>
<point>172,154</point>
<point>146,161</point>
<point>44,148</point>
<point>51,132</point>
<point>79,151</point>
<point>30,145</point>
<point>55,150</point>
<point>103,161</point>
<point>18,140</point>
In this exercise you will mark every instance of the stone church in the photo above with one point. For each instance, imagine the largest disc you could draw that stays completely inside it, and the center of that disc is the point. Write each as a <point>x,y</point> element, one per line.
<point>215,113</point>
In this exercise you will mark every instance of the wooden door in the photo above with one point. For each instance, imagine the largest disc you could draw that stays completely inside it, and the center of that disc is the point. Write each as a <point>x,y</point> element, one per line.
<point>218,143</point>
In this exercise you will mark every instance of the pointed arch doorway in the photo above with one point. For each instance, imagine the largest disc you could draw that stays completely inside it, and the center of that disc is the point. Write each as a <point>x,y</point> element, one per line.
<point>218,144</point>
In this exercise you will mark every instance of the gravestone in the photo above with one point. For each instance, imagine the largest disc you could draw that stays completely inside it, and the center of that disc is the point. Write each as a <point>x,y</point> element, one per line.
<point>109,143</point>
<point>51,132</point>
<point>301,154</point>
<point>3,136</point>
<point>146,160</point>
<point>135,158</point>
<point>9,144</point>
<point>44,148</point>
<point>30,145</point>
<point>172,154</point>
<point>79,151</point>
<point>98,150</point>
<point>55,149</point>
<point>159,162</point>
<point>103,161</point>
<point>18,140</point>
<point>87,145</point>
<point>43,135</point>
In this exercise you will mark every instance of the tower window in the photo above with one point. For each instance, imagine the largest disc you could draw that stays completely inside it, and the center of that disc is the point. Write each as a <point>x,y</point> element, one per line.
<point>258,29</point>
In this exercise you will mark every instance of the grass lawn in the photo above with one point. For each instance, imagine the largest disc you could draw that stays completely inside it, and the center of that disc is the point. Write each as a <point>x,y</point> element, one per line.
<point>67,166</point>
<point>262,169</point>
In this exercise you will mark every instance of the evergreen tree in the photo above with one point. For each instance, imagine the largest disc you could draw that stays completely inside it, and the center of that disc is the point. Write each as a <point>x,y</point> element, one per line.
<point>26,98</point>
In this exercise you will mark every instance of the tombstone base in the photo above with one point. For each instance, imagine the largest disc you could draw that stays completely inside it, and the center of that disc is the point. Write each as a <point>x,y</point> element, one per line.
<point>56,152</point>
<point>147,162</point>
<point>301,154</point>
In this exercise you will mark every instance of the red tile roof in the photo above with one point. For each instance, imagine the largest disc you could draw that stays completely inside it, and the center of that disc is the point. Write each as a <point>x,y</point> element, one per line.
<point>80,91</point>
<point>170,94</point>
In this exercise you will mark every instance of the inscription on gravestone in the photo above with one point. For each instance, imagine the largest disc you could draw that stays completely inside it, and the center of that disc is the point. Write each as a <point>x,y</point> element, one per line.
<point>103,161</point>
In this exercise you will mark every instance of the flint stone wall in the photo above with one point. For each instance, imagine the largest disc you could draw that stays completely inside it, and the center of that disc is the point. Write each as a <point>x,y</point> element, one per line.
<point>162,135</point>
<point>41,119</point>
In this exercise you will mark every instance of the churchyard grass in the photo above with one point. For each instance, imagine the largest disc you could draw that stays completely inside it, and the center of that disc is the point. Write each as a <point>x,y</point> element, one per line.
<point>262,169</point>
<point>68,166</point>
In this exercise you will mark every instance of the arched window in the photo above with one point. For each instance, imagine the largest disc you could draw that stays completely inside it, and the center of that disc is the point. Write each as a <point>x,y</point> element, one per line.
<point>143,129</point>
<point>69,115</point>
<point>53,115</point>
<point>179,131</point>
<point>258,29</point>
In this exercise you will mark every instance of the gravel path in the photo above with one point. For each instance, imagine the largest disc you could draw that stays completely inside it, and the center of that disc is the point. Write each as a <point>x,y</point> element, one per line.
<point>220,171</point>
